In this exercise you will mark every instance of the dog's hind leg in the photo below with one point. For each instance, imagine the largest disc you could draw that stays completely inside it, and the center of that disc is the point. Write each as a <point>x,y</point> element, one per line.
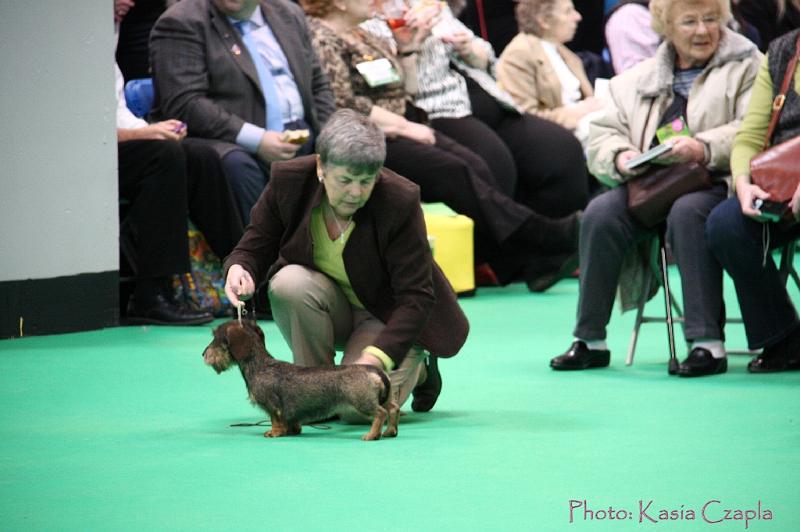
<point>394,419</point>
<point>279,428</point>
<point>377,424</point>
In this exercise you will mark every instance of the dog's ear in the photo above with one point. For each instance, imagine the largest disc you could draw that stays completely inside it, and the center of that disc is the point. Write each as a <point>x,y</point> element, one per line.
<point>240,342</point>
<point>254,327</point>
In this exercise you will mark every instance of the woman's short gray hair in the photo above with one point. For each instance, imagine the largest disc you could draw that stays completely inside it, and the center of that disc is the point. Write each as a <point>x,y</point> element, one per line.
<point>660,11</point>
<point>352,140</point>
<point>528,13</point>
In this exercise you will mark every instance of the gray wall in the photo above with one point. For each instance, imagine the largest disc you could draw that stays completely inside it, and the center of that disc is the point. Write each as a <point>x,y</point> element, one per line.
<point>58,186</point>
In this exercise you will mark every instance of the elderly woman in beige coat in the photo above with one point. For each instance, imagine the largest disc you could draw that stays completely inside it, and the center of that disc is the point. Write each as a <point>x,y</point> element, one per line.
<point>541,74</point>
<point>697,85</point>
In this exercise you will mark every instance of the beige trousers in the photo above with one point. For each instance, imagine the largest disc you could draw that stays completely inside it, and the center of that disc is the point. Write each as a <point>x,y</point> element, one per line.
<point>316,319</point>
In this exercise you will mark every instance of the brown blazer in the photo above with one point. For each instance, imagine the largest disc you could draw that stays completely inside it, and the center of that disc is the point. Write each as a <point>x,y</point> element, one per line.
<point>203,73</point>
<point>525,72</point>
<point>387,257</point>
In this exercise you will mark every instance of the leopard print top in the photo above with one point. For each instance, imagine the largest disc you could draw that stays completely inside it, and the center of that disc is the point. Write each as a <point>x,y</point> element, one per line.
<point>340,53</point>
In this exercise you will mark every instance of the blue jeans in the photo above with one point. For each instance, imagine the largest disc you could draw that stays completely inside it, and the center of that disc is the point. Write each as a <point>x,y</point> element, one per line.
<point>737,242</point>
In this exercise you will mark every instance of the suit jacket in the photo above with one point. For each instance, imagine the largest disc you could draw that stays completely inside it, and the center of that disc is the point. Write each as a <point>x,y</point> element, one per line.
<point>525,72</point>
<point>387,257</point>
<point>204,75</point>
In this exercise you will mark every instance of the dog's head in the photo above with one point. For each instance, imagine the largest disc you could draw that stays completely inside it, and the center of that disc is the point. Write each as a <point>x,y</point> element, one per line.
<point>234,343</point>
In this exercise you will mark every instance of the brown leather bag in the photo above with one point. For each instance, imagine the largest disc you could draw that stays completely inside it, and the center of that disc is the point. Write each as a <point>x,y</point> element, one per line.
<point>777,169</point>
<point>651,195</point>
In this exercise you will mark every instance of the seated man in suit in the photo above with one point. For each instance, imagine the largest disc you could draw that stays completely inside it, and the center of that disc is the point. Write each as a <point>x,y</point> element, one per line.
<point>241,72</point>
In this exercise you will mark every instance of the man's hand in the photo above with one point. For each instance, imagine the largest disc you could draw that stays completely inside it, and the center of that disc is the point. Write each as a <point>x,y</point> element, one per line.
<point>239,285</point>
<point>273,148</point>
<point>166,130</point>
<point>747,193</point>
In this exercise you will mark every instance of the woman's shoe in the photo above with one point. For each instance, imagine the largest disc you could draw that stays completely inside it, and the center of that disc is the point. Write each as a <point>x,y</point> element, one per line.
<point>701,362</point>
<point>581,357</point>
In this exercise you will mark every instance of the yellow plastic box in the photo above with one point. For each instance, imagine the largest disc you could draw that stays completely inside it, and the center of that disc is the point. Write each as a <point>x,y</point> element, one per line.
<point>450,236</point>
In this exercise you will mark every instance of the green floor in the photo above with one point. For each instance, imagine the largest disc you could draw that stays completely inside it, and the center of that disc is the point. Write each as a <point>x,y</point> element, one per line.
<point>126,429</point>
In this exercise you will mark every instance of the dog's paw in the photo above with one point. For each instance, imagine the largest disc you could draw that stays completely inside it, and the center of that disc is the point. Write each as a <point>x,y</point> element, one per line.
<point>371,437</point>
<point>391,432</point>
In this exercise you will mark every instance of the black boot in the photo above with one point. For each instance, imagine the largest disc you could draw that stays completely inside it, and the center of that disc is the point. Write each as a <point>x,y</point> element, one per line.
<point>153,303</point>
<point>552,234</point>
<point>426,394</point>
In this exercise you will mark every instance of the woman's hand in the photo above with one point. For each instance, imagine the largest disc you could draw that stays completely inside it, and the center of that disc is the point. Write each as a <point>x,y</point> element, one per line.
<point>409,37</point>
<point>239,285</point>
<point>369,360</point>
<point>794,204</point>
<point>747,193</point>
<point>684,150</point>
<point>622,158</point>
<point>418,132</point>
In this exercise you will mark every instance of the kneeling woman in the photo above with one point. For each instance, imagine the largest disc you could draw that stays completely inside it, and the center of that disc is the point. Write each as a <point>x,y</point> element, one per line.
<point>344,246</point>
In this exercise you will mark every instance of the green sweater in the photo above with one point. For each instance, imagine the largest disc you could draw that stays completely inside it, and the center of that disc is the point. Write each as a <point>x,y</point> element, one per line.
<point>749,139</point>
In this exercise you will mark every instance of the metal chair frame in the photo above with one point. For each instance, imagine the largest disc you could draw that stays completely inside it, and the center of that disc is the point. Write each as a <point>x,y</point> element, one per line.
<point>786,270</point>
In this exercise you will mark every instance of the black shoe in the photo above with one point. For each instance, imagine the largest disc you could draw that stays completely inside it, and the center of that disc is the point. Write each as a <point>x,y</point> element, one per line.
<point>581,357</point>
<point>163,310</point>
<point>701,362</point>
<point>541,276</point>
<point>426,394</point>
<point>783,356</point>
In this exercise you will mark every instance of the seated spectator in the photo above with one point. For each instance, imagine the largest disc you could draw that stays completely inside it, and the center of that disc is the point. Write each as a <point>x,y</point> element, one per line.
<point>240,74</point>
<point>772,18</point>
<point>342,244</point>
<point>152,178</point>
<point>462,100</point>
<point>736,229</point>
<point>540,73</point>
<point>629,35</point>
<point>370,77</point>
<point>701,78</point>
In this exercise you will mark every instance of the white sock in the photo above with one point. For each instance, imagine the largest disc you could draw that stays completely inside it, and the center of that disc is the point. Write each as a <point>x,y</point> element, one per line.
<point>594,345</point>
<point>716,347</point>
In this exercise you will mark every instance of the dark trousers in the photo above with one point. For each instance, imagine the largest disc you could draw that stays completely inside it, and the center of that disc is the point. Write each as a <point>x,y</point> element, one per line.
<point>536,161</point>
<point>248,176</point>
<point>608,233</point>
<point>738,243</point>
<point>452,174</point>
<point>152,179</point>
<point>212,206</point>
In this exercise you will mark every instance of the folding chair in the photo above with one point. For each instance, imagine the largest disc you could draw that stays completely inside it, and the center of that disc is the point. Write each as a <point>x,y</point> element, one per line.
<point>786,270</point>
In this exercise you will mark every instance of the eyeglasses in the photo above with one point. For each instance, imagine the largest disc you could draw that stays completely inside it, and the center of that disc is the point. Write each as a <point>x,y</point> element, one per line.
<point>691,24</point>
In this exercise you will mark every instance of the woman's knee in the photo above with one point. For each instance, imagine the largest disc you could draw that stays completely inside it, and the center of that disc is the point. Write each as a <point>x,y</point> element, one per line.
<point>292,284</point>
<point>724,226</point>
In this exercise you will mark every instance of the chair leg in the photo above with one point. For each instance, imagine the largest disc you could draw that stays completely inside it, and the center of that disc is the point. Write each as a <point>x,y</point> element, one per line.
<point>638,322</point>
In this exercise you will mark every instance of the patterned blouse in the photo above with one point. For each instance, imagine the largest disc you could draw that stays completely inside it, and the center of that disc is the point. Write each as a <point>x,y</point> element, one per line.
<point>340,53</point>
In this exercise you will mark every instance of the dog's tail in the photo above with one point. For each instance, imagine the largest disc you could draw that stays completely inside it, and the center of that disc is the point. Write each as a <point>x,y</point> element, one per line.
<point>386,393</point>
